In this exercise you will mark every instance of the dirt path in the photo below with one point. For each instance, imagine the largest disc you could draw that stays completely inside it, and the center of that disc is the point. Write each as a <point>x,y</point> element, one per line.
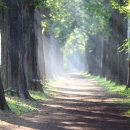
<point>80,104</point>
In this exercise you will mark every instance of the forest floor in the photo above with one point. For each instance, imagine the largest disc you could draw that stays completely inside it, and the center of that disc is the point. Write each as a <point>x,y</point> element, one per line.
<point>78,104</point>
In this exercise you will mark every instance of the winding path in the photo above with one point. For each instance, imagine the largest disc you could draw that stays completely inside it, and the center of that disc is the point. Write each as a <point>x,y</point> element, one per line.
<point>79,104</point>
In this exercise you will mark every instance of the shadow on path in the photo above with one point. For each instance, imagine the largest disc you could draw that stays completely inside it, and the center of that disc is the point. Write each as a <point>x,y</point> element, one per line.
<point>80,104</point>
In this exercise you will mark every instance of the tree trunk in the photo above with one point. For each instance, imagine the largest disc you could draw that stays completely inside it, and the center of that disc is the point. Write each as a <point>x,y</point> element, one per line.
<point>33,48</point>
<point>5,74</point>
<point>3,103</point>
<point>16,46</point>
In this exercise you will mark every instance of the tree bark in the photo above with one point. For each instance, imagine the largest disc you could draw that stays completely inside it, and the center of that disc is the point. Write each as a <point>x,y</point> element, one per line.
<point>3,103</point>
<point>33,52</point>
<point>16,46</point>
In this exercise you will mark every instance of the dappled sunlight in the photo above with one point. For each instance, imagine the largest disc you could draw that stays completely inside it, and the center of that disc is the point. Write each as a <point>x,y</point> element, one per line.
<point>79,104</point>
<point>65,65</point>
<point>7,126</point>
<point>78,88</point>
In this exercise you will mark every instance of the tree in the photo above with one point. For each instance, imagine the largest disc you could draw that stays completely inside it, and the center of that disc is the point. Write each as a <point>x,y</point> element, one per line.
<point>113,63</point>
<point>13,31</point>
<point>123,7</point>
<point>3,103</point>
<point>31,42</point>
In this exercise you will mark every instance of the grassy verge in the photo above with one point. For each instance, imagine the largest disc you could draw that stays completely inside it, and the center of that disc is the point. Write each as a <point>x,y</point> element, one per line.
<point>114,88</point>
<point>20,106</point>
<point>110,86</point>
<point>49,88</point>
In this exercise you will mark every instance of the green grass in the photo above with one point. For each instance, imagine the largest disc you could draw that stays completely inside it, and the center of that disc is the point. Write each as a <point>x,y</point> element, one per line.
<point>114,88</point>
<point>20,106</point>
<point>110,86</point>
<point>38,95</point>
<point>128,112</point>
<point>49,88</point>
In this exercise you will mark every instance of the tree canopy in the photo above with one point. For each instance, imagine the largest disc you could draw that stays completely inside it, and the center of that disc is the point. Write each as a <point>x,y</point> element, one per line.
<point>72,22</point>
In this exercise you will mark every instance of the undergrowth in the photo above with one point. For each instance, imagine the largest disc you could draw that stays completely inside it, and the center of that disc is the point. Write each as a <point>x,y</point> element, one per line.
<point>20,106</point>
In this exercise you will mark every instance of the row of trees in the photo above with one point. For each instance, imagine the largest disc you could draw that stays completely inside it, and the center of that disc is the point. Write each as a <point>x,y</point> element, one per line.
<point>91,27</point>
<point>106,57</point>
<point>109,56</point>
<point>19,68</point>
<point>21,25</point>
<point>99,29</point>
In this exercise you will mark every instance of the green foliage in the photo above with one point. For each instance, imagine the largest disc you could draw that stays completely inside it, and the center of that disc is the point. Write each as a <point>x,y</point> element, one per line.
<point>75,42</point>
<point>2,5</point>
<point>123,6</point>
<point>125,46</point>
<point>72,22</point>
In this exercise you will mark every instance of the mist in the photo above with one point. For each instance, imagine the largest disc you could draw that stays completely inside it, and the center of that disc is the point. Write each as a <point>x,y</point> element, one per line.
<point>65,64</point>
<point>50,58</point>
<point>74,62</point>
<point>53,61</point>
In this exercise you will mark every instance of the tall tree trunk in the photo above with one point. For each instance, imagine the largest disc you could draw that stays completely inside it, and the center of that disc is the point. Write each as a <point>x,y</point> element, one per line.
<point>31,51</point>
<point>5,74</point>
<point>16,46</point>
<point>3,103</point>
<point>33,48</point>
